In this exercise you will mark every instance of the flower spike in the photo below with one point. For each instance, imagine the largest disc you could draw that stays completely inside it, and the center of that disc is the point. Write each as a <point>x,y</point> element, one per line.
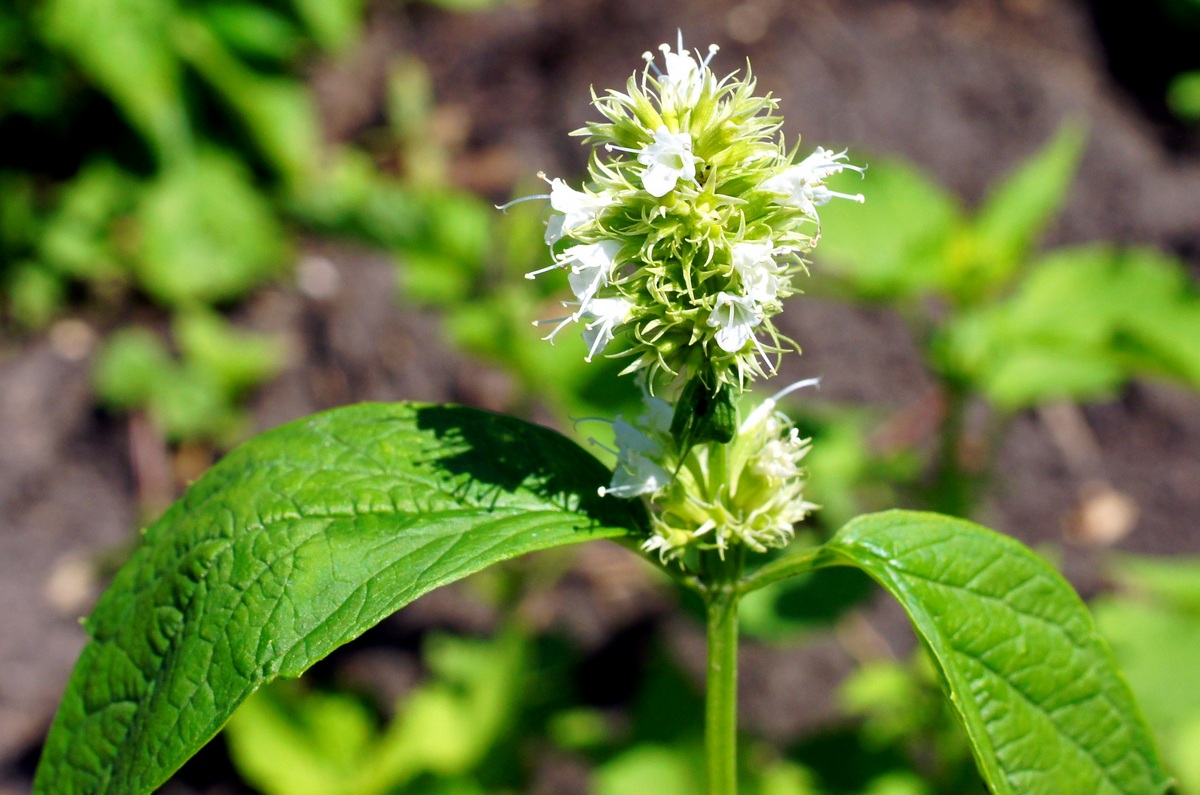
<point>692,225</point>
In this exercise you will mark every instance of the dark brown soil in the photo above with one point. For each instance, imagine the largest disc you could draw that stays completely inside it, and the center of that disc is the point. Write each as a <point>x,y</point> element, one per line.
<point>964,89</point>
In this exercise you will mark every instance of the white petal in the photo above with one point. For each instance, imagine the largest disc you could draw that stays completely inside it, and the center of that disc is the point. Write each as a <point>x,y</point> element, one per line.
<point>659,180</point>
<point>554,229</point>
<point>733,338</point>
<point>734,317</point>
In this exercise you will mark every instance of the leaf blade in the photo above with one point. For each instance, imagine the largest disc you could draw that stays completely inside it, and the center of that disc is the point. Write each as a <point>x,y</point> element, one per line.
<point>292,545</point>
<point>1035,686</point>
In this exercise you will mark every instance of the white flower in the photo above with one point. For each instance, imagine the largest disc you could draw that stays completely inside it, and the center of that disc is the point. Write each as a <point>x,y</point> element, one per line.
<point>780,458</point>
<point>764,414</point>
<point>635,475</point>
<point>641,451</point>
<point>590,265</point>
<point>577,209</point>
<point>684,78</point>
<point>668,160</point>
<point>605,314</point>
<point>734,317</point>
<point>803,185</point>
<point>755,265</point>
<point>682,71</point>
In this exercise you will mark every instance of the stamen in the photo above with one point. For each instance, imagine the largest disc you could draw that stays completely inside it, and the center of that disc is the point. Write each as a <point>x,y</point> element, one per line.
<point>533,274</point>
<point>648,57</point>
<point>712,50</point>
<point>562,323</point>
<point>604,447</point>
<point>790,388</point>
<point>596,343</point>
<point>504,207</point>
<point>577,422</point>
<point>614,147</point>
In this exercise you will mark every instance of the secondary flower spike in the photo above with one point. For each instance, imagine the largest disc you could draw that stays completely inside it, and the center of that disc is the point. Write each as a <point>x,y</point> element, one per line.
<point>748,492</point>
<point>694,218</point>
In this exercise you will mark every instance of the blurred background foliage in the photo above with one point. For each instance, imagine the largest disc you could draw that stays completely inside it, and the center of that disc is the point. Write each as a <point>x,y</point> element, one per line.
<point>162,162</point>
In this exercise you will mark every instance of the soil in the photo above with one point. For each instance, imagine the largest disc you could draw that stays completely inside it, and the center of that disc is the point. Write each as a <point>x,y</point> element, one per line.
<point>965,89</point>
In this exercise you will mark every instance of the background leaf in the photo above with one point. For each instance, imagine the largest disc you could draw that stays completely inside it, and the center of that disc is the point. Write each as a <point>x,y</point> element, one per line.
<point>294,544</point>
<point>892,246</point>
<point>1152,621</point>
<point>1034,684</point>
<point>289,741</point>
<point>1081,323</point>
<point>206,233</point>
<point>124,46</point>
<point>1019,210</point>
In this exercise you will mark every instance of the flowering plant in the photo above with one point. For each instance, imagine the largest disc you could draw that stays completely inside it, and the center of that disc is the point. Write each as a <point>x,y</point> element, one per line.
<point>678,251</point>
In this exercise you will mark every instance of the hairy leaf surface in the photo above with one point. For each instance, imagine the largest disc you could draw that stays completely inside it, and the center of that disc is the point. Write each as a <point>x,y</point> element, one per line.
<point>294,544</point>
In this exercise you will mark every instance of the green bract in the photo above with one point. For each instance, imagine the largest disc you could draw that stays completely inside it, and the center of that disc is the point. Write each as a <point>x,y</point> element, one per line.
<point>691,225</point>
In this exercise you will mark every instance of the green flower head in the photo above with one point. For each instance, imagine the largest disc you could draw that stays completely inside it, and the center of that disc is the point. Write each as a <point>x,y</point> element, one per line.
<point>694,219</point>
<point>715,496</point>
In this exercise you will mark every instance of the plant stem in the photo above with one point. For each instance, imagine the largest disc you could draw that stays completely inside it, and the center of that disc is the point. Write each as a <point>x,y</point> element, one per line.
<point>720,719</point>
<point>952,487</point>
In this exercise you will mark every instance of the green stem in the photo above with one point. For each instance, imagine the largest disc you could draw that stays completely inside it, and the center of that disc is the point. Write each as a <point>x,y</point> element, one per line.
<point>788,566</point>
<point>720,718</point>
<point>952,492</point>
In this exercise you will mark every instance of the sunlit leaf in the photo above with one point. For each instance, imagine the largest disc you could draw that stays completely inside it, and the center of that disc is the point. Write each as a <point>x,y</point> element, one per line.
<point>292,545</point>
<point>1035,685</point>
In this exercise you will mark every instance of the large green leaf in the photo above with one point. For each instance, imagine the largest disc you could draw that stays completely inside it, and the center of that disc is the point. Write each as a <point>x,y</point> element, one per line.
<point>1035,686</point>
<point>294,544</point>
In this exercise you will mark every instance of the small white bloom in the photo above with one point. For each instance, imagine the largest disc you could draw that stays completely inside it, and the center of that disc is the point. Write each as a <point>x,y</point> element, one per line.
<point>734,317</point>
<point>668,160</point>
<point>636,471</point>
<point>576,209</point>
<point>605,315</point>
<point>658,416</point>
<point>684,78</point>
<point>780,458</point>
<point>590,265</point>
<point>682,71</point>
<point>755,265</point>
<point>635,475</point>
<point>765,413</point>
<point>803,185</point>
